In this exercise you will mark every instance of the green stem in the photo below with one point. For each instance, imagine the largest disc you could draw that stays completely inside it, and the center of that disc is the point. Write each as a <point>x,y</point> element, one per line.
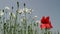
<point>10,24</point>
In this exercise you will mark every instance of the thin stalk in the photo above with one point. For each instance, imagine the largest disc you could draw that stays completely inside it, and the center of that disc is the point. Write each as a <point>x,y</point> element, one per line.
<point>11,20</point>
<point>4,26</point>
<point>16,18</point>
<point>3,22</point>
<point>25,27</point>
<point>10,24</point>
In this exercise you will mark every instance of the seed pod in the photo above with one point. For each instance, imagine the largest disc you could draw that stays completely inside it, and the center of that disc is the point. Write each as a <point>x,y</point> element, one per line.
<point>18,4</point>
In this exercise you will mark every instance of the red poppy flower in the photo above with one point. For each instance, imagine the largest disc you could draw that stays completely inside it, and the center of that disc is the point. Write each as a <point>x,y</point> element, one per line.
<point>45,23</point>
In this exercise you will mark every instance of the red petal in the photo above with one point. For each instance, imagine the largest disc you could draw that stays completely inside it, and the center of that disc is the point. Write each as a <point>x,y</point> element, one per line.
<point>42,26</point>
<point>43,19</point>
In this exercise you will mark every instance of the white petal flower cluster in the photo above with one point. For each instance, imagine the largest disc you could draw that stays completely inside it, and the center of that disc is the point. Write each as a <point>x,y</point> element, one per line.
<point>29,11</point>
<point>25,10</point>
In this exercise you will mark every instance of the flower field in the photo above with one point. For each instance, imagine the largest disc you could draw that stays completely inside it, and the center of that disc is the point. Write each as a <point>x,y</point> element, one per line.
<point>22,22</point>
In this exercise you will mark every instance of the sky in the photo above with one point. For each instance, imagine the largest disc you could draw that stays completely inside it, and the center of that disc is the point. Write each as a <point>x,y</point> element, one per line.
<point>40,8</point>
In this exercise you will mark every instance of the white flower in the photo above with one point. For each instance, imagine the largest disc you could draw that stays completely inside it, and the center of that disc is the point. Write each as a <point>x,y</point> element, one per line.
<point>38,21</point>
<point>1,13</point>
<point>7,8</point>
<point>35,16</point>
<point>29,11</point>
<point>20,11</point>
<point>25,10</point>
<point>12,14</point>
